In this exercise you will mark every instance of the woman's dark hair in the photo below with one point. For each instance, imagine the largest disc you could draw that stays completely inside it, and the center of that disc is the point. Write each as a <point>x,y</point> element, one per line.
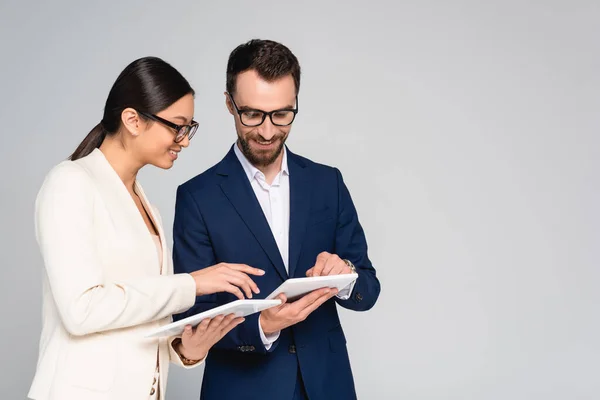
<point>148,84</point>
<point>271,60</point>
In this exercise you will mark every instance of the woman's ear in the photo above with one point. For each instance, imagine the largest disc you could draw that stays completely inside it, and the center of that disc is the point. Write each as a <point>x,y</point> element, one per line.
<point>131,121</point>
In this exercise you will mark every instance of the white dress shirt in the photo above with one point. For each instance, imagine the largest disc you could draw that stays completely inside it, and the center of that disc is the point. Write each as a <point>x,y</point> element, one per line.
<point>274,200</point>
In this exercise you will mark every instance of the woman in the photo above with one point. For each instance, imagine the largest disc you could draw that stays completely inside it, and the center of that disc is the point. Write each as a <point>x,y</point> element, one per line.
<point>108,275</point>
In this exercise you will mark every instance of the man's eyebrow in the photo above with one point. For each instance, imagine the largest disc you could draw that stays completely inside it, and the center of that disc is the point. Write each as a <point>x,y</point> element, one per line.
<point>246,108</point>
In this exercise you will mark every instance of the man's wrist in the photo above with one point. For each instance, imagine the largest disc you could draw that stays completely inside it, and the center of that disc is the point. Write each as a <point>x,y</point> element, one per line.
<point>265,326</point>
<point>267,340</point>
<point>350,265</point>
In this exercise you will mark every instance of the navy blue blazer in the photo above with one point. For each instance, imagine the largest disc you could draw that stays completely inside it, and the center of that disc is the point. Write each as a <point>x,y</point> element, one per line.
<point>218,219</point>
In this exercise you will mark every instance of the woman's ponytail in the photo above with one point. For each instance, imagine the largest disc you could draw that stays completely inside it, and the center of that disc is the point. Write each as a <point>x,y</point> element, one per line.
<point>92,141</point>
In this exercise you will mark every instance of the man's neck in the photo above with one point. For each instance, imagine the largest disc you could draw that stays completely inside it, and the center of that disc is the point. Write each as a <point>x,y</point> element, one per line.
<point>270,171</point>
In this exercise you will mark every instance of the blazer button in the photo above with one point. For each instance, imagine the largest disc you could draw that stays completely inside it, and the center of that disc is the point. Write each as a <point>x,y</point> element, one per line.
<point>359,296</point>
<point>292,349</point>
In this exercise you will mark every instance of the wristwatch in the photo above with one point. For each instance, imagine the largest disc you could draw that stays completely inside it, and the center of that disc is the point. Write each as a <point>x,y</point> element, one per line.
<point>350,265</point>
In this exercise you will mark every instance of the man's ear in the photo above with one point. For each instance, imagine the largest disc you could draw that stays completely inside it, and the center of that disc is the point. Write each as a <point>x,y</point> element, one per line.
<point>228,104</point>
<point>131,121</point>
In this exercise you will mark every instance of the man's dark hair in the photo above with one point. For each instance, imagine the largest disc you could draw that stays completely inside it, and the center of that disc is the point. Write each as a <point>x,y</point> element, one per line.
<point>271,60</point>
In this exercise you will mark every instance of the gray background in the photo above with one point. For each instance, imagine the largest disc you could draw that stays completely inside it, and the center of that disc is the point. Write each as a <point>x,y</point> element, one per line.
<point>466,131</point>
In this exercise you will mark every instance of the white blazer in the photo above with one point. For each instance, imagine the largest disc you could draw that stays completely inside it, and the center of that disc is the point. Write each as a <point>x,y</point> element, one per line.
<point>102,288</point>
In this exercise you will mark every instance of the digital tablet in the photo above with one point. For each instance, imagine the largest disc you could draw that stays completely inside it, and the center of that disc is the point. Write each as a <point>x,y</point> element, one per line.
<point>297,287</point>
<point>240,308</point>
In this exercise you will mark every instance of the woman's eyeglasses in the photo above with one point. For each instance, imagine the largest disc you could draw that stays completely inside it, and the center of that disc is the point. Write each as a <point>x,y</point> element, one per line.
<point>180,130</point>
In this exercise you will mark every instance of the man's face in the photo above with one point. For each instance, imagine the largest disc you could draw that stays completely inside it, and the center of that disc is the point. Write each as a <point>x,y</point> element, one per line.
<point>262,145</point>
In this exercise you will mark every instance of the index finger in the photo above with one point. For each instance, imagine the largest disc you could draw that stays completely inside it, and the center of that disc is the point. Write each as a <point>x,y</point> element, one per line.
<point>311,298</point>
<point>312,307</point>
<point>319,265</point>
<point>247,269</point>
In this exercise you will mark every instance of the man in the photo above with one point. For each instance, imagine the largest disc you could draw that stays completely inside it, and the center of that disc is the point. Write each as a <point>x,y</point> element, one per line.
<point>266,207</point>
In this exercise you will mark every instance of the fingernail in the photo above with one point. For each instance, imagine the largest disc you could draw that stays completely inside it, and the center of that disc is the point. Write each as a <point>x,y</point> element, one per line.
<point>262,272</point>
<point>257,291</point>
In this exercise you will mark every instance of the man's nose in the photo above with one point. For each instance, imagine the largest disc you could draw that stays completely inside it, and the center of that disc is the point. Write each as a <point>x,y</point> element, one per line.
<point>267,130</point>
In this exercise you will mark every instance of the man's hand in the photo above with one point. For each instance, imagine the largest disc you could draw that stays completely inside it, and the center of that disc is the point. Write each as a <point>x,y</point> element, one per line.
<point>287,314</point>
<point>328,264</point>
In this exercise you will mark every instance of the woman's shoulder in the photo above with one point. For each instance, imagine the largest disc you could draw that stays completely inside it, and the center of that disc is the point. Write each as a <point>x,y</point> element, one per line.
<point>67,171</point>
<point>66,176</point>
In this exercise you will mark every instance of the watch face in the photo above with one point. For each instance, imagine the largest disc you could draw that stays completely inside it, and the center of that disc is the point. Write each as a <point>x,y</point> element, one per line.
<point>352,267</point>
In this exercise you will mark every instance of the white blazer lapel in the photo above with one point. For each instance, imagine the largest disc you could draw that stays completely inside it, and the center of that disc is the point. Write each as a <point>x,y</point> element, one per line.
<point>124,212</point>
<point>155,217</point>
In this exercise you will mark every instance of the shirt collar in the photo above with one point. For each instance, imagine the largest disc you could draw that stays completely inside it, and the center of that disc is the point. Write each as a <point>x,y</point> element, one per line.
<point>251,171</point>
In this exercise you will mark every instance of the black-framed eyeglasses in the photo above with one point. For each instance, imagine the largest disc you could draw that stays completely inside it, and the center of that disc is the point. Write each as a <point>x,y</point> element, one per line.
<point>251,117</point>
<point>180,130</point>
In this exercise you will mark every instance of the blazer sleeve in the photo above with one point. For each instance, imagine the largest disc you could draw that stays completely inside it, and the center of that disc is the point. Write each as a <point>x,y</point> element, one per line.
<point>192,250</point>
<point>87,302</point>
<point>351,244</point>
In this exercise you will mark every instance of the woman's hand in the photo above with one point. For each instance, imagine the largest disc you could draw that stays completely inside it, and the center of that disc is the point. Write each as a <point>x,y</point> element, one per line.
<point>195,343</point>
<point>226,277</point>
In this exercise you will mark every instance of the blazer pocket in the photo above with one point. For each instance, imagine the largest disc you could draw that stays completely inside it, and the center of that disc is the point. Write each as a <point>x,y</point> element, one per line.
<point>91,362</point>
<point>320,216</point>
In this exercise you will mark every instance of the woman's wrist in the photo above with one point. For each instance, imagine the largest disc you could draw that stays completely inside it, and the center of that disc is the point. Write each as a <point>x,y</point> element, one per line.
<point>187,357</point>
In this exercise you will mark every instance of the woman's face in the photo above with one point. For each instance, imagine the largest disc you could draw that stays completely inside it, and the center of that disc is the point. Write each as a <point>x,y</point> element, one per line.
<point>155,143</point>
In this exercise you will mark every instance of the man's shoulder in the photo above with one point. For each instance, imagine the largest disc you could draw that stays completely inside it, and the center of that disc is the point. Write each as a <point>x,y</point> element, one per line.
<point>202,181</point>
<point>208,180</point>
<point>316,168</point>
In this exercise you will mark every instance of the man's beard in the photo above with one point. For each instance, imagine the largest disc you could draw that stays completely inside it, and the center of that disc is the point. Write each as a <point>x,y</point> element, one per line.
<point>261,158</point>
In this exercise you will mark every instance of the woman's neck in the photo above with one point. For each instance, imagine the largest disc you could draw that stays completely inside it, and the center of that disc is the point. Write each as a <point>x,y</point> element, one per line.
<point>121,161</point>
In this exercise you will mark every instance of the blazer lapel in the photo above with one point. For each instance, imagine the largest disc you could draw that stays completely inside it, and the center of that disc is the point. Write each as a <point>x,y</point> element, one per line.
<point>157,223</point>
<point>239,192</point>
<point>124,209</point>
<point>300,195</point>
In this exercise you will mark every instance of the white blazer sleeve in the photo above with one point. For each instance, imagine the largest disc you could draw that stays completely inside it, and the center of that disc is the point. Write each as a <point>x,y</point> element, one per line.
<point>86,301</point>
